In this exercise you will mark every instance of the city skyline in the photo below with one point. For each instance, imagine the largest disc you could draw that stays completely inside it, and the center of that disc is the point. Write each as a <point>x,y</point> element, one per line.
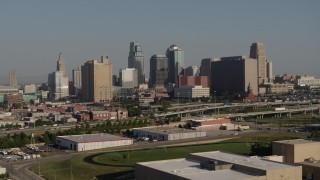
<point>288,30</point>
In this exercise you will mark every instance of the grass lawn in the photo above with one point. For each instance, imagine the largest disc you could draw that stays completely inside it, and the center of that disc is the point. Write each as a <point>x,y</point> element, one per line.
<point>110,165</point>
<point>113,164</point>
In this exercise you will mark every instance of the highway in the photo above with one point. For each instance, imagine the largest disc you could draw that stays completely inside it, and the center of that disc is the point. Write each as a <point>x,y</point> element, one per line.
<point>205,107</point>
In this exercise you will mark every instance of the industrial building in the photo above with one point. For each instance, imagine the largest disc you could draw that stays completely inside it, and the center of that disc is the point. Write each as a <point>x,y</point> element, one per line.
<point>302,152</point>
<point>217,165</point>
<point>166,133</point>
<point>87,142</point>
<point>297,150</point>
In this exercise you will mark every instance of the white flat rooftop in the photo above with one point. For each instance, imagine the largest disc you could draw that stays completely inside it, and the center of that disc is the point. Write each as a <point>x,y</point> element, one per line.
<point>191,170</point>
<point>249,161</point>
<point>86,138</point>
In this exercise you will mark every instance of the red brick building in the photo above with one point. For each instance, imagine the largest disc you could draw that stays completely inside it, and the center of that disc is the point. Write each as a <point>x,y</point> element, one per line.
<point>194,81</point>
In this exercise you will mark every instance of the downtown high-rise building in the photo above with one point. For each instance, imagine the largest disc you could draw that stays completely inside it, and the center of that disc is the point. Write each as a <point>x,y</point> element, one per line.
<point>136,60</point>
<point>205,68</point>
<point>128,78</point>
<point>258,52</point>
<point>96,80</point>
<point>175,57</point>
<point>233,75</point>
<point>13,78</point>
<point>192,71</point>
<point>58,81</point>
<point>61,65</point>
<point>158,71</point>
<point>76,80</point>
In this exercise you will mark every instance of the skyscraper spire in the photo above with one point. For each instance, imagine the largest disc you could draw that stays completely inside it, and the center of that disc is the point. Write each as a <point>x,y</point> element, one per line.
<point>61,66</point>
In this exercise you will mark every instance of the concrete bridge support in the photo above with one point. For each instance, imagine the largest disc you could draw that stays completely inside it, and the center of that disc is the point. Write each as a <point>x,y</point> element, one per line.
<point>289,115</point>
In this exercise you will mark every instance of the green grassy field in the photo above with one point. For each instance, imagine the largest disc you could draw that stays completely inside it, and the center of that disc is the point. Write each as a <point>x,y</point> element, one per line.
<point>114,164</point>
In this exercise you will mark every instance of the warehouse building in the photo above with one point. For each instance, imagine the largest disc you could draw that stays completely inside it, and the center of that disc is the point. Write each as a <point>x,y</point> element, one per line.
<point>88,142</point>
<point>303,152</point>
<point>297,150</point>
<point>166,133</point>
<point>217,165</point>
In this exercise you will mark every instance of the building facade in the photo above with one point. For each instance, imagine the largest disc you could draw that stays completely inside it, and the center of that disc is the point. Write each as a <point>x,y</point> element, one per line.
<point>13,78</point>
<point>191,92</point>
<point>279,88</point>
<point>58,85</point>
<point>205,68</point>
<point>76,79</point>
<point>88,142</point>
<point>158,71</point>
<point>258,52</point>
<point>29,88</point>
<point>58,81</point>
<point>194,81</point>
<point>96,78</point>
<point>136,60</point>
<point>128,78</point>
<point>308,81</point>
<point>175,57</point>
<point>233,75</point>
<point>166,133</point>
<point>192,71</point>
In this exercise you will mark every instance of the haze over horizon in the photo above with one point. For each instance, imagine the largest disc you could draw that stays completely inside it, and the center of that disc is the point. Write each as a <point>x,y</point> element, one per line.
<point>33,33</point>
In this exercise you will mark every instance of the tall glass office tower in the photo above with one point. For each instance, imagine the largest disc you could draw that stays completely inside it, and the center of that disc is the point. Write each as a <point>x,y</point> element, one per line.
<point>136,60</point>
<point>175,57</point>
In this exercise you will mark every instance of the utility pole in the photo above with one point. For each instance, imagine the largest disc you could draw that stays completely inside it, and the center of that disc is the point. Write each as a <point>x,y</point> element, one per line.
<point>215,103</point>
<point>39,168</point>
<point>71,172</point>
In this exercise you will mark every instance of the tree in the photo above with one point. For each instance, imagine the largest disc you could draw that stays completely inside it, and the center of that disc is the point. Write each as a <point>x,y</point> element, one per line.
<point>261,149</point>
<point>315,134</point>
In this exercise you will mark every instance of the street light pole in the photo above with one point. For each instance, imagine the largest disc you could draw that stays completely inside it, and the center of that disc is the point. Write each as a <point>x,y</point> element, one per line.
<point>215,103</point>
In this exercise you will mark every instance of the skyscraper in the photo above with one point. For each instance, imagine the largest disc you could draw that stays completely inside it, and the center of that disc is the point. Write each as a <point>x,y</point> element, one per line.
<point>58,85</point>
<point>76,79</point>
<point>158,71</point>
<point>192,71</point>
<point>61,65</point>
<point>233,75</point>
<point>13,78</point>
<point>136,60</point>
<point>258,52</point>
<point>97,80</point>
<point>205,68</point>
<point>175,57</point>
<point>128,77</point>
<point>58,81</point>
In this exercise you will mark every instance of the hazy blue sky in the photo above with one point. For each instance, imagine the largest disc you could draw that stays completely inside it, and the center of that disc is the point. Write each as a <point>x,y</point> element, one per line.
<point>33,32</point>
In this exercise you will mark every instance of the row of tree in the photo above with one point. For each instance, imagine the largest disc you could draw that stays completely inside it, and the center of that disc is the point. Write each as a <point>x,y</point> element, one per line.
<point>16,140</point>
